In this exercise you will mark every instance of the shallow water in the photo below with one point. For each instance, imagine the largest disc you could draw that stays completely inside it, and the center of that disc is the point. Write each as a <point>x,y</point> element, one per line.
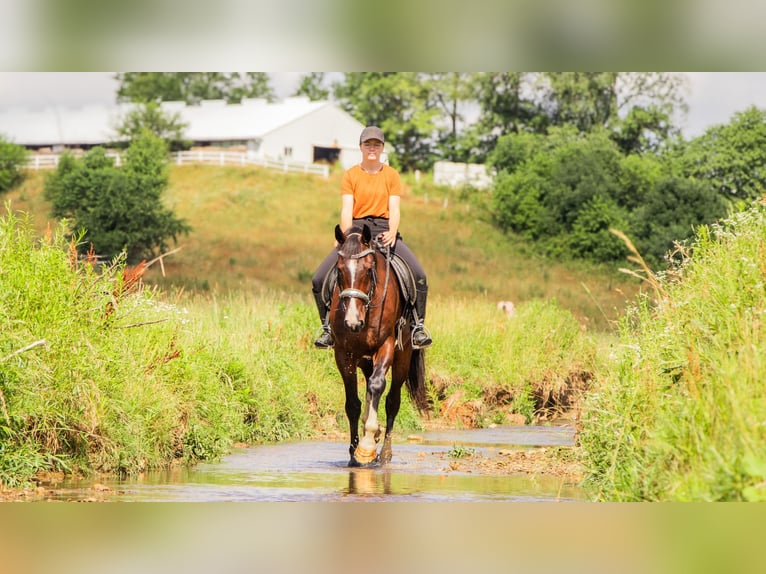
<point>317,471</point>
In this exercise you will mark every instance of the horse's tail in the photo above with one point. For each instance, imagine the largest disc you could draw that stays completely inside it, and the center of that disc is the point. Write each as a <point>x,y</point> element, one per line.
<point>416,380</point>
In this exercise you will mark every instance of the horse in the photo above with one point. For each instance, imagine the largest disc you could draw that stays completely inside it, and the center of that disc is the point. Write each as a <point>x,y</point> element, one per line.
<point>371,333</point>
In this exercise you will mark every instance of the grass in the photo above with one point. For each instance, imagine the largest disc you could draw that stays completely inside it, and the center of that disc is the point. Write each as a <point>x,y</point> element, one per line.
<point>679,414</point>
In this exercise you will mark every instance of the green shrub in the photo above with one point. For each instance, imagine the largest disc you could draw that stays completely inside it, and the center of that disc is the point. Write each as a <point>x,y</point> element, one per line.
<point>13,159</point>
<point>117,209</point>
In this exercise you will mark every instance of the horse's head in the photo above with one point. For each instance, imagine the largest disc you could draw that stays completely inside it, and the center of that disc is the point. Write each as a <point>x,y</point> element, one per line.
<point>356,274</point>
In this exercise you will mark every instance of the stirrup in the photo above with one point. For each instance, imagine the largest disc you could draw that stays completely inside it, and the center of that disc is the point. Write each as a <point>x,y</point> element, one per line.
<point>324,340</point>
<point>421,328</point>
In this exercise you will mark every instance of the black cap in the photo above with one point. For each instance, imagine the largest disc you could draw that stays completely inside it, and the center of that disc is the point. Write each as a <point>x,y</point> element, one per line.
<point>371,133</point>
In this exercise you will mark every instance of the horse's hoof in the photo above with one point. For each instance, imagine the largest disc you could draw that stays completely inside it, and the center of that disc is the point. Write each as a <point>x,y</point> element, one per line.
<point>364,455</point>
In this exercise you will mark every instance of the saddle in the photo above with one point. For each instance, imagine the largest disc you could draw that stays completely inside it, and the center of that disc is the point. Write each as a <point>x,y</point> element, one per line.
<point>398,266</point>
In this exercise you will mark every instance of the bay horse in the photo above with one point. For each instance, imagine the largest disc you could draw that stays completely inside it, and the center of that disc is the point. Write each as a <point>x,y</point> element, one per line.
<point>372,333</point>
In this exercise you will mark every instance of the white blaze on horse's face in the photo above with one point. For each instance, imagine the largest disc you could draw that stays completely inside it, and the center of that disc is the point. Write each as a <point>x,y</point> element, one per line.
<point>356,286</point>
<point>354,317</point>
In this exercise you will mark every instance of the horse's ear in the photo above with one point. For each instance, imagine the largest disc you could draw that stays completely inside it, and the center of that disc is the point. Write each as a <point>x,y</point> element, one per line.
<point>339,235</point>
<point>366,233</point>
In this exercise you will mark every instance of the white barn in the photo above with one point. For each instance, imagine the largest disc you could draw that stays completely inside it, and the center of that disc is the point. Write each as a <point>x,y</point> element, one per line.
<point>294,129</point>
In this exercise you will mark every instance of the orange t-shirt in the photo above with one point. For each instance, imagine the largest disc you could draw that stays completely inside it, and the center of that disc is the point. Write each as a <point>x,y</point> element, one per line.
<point>371,191</point>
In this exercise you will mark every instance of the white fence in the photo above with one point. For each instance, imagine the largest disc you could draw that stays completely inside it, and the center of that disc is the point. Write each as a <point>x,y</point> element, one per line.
<point>51,161</point>
<point>459,174</point>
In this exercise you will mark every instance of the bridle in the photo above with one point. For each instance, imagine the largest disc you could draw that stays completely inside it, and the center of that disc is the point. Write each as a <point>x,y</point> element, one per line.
<point>358,293</point>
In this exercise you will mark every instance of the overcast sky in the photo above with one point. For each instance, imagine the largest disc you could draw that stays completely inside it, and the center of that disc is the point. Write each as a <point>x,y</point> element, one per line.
<point>713,96</point>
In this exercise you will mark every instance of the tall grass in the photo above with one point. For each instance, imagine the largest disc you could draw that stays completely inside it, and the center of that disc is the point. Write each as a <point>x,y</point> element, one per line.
<point>681,412</point>
<point>89,374</point>
<point>537,359</point>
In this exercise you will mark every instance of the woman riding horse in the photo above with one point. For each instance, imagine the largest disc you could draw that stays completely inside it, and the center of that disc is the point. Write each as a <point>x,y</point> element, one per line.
<point>370,194</point>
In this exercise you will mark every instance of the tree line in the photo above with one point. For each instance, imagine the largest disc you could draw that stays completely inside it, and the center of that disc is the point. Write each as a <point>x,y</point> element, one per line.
<point>574,153</point>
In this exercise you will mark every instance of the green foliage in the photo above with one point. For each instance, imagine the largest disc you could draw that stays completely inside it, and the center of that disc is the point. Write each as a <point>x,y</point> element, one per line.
<point>562,195</point>
<point>524,403</point>
<point>13,160</point>
<point>586,100</point>
<point>449,93</point>
<point>312,86</point>
<point>730,157</point>
<point>669,213</point>
<point>119,209</point>
<point>506,108</point>
<point>192,87</point>
<point>539,352</point>
<point>90,368</point>
<point>567,190</point>
<point>636,108</point>
<point>678,413</point>
<point>460,451</point>
<point>150,116</point>
<point>645,129</point>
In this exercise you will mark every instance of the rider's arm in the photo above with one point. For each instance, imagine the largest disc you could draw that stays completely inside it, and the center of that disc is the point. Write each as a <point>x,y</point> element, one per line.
<point>394,216</point>
<point>346,211</point>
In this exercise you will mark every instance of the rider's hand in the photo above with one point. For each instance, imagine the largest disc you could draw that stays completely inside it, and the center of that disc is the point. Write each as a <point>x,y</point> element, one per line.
<point>388,239</point>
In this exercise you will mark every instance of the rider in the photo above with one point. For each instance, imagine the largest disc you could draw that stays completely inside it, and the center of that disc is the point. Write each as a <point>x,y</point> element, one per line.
<point>371,194</point>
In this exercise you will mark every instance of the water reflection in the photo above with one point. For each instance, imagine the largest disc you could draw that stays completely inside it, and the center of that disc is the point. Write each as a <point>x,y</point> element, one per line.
<point>362,481</point>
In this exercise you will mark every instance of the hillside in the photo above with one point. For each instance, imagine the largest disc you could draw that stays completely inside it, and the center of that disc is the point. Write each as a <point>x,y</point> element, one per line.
<point>256,229</point>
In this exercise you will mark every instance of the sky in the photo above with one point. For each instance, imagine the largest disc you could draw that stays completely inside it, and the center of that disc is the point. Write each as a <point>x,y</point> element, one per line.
<point>713,96</point>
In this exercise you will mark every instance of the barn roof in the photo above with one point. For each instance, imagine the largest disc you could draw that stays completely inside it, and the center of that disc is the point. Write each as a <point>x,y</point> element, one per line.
<point>212,120</point>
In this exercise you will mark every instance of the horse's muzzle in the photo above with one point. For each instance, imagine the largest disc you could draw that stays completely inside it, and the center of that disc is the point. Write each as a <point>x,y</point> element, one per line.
<point>354,326</point>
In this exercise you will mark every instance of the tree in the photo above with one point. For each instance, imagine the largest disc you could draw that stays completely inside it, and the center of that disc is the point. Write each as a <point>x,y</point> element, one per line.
<point>582,99</point>
<point>507,104</point>
<point>732,157</point>
<point>119,209</point>
<point>312,86</point>
<point>192,87</point>
<point>164,124</point>
<point>637,107</point>
<point>13,160</point>
<point>450,93</point>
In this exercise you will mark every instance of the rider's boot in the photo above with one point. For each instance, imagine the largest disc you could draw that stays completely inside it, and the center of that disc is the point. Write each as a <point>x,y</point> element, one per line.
<point>325,340</point>
<point>421,338</point>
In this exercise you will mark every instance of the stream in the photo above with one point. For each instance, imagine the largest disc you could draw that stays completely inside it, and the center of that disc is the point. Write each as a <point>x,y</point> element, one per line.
<point>317,471</point>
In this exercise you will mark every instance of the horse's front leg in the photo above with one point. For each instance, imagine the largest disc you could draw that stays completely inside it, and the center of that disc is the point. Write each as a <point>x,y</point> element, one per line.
<point>347,368</point>
<point>399,373</point>
<point>366,452</point>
